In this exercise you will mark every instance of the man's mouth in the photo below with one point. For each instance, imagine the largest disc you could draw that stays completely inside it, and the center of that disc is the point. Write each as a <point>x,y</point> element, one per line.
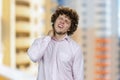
<point>60,26</point>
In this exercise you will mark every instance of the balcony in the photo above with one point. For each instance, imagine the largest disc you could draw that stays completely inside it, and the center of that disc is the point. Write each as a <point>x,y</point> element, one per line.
<point>22,58</point>
<point>23,11</point>
<point>23,42</point>
<point>23,27</point>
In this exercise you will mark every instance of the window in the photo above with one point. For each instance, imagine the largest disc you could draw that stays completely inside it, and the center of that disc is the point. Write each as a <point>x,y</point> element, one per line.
<point>84,5</point>
<point>101,13</point>
<point>102,20</point>
<point>101,5</point>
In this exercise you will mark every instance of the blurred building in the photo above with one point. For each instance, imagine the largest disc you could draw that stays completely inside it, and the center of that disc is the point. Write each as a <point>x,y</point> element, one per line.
<point>0,31</point>
<point>21,21</point>
<point>99,37</point>
<point>118,78</point>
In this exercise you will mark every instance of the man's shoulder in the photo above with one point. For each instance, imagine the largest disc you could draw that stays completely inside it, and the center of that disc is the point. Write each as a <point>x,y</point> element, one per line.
<point>38,38</point>
<point>74,46</point>
<point>42,37</point>
<point>73,43</point>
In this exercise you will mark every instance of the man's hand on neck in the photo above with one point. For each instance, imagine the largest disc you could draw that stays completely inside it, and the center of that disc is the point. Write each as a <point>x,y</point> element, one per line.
<point>50,33</point>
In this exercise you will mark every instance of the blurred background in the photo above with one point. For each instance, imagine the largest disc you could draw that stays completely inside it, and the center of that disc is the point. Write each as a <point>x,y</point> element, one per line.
<point>98,33</point>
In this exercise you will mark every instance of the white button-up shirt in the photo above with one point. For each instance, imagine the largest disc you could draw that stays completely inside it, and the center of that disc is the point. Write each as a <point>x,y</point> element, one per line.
<point>58,60</point>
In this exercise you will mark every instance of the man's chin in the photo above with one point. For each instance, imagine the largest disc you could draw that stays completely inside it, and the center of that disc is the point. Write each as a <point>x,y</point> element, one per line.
<point>60,33</point>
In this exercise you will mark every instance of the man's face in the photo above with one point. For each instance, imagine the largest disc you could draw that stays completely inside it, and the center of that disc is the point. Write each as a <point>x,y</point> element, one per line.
<point>62,24</point>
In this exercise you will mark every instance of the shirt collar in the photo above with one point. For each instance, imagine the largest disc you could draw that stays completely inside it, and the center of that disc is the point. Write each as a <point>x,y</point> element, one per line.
<point>65,38</point>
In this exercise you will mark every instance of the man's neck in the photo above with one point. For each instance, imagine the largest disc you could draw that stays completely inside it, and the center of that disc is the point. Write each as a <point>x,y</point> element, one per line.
<point>59,37</point>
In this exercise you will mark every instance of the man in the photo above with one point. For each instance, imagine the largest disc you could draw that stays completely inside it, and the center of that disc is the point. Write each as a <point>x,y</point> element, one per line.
<point>59,57</point>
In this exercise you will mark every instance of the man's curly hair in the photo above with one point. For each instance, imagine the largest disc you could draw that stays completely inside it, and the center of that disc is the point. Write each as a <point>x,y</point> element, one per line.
<point>72,14</point>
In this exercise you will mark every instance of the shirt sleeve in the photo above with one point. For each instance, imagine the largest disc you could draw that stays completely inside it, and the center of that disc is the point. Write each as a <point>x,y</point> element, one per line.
<point>38,47</point>
<point>78,65</point>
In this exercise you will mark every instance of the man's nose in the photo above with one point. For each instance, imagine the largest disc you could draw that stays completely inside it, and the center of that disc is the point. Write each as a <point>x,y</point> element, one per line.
<point>62,21</point>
